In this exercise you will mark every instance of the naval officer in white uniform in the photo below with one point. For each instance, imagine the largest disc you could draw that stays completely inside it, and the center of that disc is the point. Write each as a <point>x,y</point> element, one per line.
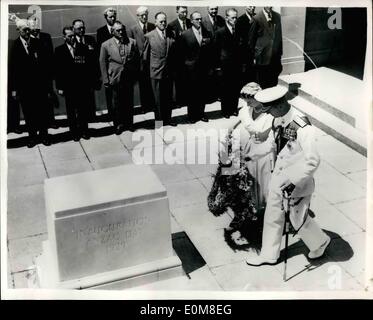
<point>292,141</point>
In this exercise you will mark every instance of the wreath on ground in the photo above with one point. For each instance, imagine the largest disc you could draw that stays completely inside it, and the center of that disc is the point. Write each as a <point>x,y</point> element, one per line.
<point>235,189</point>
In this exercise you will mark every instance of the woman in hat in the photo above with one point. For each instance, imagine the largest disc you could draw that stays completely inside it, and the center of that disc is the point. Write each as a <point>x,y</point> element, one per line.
<point>244,190</point>
<point>254,128</point>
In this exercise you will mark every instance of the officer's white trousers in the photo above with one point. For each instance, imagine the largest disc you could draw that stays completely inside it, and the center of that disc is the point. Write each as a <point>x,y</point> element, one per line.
<point>274,220</point>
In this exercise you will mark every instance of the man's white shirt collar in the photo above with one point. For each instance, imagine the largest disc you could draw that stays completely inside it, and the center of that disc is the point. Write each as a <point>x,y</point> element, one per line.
<point>181,23</point>
<point>161,33</point>
<point>266,14</point>
<point>25,44</point>
<point>71,49</point>
<point>250,17</point>
<point>211,19</point>
<point>109,28</point>
<point>197,33</point>
<point>141,25</point>
<point>229,27</point>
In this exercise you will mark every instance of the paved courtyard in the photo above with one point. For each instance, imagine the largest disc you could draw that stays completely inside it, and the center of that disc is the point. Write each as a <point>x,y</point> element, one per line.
<point>339,204</point>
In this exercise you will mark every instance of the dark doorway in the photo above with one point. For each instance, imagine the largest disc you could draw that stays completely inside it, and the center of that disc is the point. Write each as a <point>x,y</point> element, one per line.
<point>340,49</point>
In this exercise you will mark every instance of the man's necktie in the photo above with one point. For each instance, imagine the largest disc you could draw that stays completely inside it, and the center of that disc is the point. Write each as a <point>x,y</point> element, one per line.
<point>144,29</point>
<point>184,26</point>
<point>199,36</point>
<point>214,26</point>
<point>233,30</point>
<point>111,30</point>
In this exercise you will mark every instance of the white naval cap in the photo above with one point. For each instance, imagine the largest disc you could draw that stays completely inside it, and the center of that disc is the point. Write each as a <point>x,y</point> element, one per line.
<point>271,94</point>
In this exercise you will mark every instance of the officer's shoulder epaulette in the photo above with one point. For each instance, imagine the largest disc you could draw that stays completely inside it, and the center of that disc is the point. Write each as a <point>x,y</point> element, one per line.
<point>302,121</point>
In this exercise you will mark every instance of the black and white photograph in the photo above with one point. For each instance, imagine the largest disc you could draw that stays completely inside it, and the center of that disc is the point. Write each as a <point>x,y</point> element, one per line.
<point>189,149</point>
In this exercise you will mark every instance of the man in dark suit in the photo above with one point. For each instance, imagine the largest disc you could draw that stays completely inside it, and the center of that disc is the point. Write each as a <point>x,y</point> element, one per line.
<point>105,33</point>
<point>177,27</point>
<point>29,83</point>
<point>195,46</point>
<point>119,63</point>
<point>138,32</point>
<point>159,57</point>
<point>74,81</point>
<point>47,46</point>
<point>212,22</point>
<point>92,60</point>
<point>243,27</point>
<point>266,46</point>
<point>228,47</point>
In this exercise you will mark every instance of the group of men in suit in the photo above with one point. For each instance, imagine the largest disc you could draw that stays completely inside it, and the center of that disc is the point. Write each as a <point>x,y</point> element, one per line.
<point>203,58</point>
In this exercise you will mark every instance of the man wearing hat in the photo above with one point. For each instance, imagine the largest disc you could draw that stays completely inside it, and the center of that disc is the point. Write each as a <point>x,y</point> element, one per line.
<point>292,140</point>
<point>30,83</point>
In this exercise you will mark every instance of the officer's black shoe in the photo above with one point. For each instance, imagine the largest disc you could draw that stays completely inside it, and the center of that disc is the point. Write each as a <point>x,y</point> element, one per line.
<point>85,136</point>
<point>204,119</point>
<point>226,116</point>
<point>119,129</point>
<point>235,113</point>
<point>46,142</point>
<point>31,143</point>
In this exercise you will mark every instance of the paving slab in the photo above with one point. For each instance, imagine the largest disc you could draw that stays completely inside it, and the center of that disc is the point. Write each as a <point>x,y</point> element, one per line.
<point>181,194</point>
<point>340,189</point>
<point>24,251</point>
<point>143,138</point>
<point>340,156</point>
<point>102,146</point>
<point>172,173</point>
<point>26,175</point>
<point>196,219</point>
<point>355,210</point>
<point>359,178</point>
<point>241,277</point>
<point>24,156</point>
<point>200,279</point>
<point>26,212</point>
<point>62,152</point>
<point>354,264</point>
<point>215,251</point>
<point>207,182</point>
<point>111,160</point>
<point>303,275</point>
<point>63,168</point>
<point>330,218</point>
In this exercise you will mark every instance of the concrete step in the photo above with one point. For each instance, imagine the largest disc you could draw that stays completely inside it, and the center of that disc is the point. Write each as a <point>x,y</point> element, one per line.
<point>331,124</point>
<point>336,93</point>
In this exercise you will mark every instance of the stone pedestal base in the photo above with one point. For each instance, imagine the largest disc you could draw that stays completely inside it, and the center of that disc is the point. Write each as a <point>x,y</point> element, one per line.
<point>112,280</point>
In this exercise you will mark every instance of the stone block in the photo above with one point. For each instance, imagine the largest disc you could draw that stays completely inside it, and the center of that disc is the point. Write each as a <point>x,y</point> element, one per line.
<point>109,230</point>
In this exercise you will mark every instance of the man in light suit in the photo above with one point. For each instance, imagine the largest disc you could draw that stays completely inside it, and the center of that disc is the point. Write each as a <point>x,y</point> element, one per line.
<point>105,33</point>
<point>266,46</point>
<point>243,27</point>
<point>293,142</point>
<point>119,62</point>
<point>195,47</point>
<point>29,83</point>
<point>138,32</point>
<point>212,22</point>
<point>177,27</point>
<point>159,57</point>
